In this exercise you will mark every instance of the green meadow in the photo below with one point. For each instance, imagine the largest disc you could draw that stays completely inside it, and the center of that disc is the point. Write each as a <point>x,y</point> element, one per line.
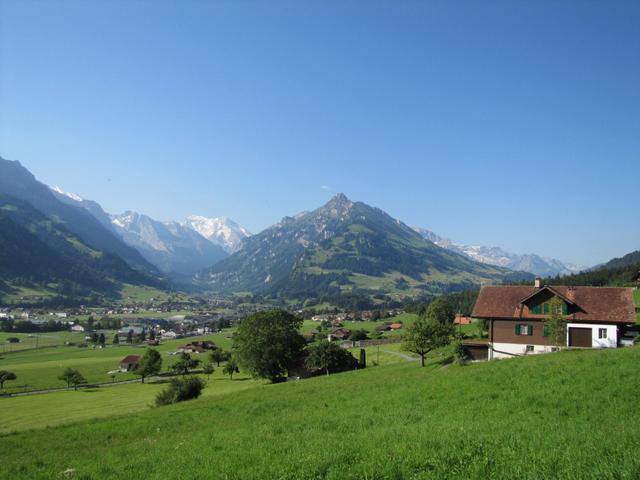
<point>571,415</point>
<point>39,369</point>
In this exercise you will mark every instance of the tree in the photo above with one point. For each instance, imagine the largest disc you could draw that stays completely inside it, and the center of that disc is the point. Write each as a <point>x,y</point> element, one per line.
<point>180,389</point>
<point>72,377</point>
<point>231,367</point>
<point>94,338</point>
<point>555,324</point>
<point>6,375</point>
<point>130,336</point>
<point>150,364</point>
<point>426,334</point>
<point>102,340</point>
<point>208,369</point>
<point>266,343</point>
<point>184,364</point>
<point>116,339</point>
<point>218,355</point>
<point>441,310</point>
<point>356,335</point>
<point>329,357</point>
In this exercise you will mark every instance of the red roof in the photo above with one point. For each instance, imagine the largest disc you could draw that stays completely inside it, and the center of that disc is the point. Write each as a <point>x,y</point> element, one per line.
<point>131,359</point>
<point>593,304</point>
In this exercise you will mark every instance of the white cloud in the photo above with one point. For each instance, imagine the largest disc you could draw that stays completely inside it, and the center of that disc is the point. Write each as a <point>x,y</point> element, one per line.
<point>325,187</point>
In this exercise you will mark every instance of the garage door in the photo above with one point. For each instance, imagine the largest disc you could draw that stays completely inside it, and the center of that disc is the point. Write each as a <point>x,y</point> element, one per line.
<point>579,337</point>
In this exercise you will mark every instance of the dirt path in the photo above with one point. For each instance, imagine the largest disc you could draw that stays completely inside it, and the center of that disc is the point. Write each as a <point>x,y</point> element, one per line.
<point>408,358</point>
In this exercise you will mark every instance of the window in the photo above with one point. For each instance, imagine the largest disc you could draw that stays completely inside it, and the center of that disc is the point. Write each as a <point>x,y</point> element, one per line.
<point>524,329</point>
<point>545,331</point>
<point>602,333</point>
<point>536,309</point>
<point>529,348</point>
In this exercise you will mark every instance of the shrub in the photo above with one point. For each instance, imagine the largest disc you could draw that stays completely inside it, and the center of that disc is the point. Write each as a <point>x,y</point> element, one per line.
<point>180,389</point>
<point>459,353</point>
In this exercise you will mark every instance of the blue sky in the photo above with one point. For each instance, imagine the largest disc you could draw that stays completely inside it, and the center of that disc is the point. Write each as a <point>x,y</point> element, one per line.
<point>499,123</point>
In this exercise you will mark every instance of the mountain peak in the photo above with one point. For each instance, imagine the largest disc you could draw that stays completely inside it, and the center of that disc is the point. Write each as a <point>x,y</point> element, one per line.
<point>339,198</point>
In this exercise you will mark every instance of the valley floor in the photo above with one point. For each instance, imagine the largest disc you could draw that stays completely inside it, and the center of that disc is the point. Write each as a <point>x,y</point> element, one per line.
<point>569,415</point>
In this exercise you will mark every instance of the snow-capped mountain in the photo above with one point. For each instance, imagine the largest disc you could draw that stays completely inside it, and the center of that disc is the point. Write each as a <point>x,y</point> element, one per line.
<point>532,263</point>
<point>171,246</point>
<point>220,230</point>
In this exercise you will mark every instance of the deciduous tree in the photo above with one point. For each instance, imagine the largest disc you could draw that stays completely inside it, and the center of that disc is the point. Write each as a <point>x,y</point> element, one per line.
<point>150,364</point>
<point>266,343</point>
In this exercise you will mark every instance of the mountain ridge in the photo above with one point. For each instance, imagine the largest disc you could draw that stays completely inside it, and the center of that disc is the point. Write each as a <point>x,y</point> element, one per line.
<point>345,247</point>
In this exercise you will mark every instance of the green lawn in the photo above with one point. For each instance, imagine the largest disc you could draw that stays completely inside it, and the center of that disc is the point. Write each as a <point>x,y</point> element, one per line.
<point>46,410</point>
<point>39,369</point>
<point>571,415</point>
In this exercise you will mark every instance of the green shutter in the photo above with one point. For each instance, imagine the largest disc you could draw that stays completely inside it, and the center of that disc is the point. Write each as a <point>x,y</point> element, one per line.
<point>564,308</point>
<point>546,309</point>
<point>529,330</point>
<point>545,331</point>
<point>517,329</point>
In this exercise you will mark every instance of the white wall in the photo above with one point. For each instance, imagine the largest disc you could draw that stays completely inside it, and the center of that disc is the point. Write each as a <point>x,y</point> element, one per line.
<point>502,350</point>
<point>612,334</point>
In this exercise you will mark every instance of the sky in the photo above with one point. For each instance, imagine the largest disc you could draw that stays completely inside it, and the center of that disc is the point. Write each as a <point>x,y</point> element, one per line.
<point>505,123</point>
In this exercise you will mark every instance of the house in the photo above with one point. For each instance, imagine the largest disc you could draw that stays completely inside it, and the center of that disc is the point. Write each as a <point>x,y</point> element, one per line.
<point>595,317</point>
<point>189,348</point>
<point>129,363</point>
<point>462,320</point>
<point>77,328</point>
<point>339,334</point>
<point>395,326</point>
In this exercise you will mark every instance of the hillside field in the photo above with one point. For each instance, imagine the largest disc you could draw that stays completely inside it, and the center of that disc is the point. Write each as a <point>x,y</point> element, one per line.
<point>569,415</point>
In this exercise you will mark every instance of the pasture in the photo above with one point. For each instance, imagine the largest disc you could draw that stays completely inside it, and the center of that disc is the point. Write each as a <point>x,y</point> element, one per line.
<point>568,415</point>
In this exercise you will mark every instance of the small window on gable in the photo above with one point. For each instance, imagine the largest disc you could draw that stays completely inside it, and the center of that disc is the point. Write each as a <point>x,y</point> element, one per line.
<point>602,333</point>
<point>536,309</point>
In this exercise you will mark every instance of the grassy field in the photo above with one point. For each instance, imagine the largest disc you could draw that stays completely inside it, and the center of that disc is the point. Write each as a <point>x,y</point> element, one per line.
<point>39,369</point>
<point>42,411</point>
<point>570,415</point>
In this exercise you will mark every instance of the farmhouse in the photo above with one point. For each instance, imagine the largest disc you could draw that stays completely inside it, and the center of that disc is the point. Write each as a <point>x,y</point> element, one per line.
<point>129,363</point>
<point>595,317</point>
<point>339,334</point>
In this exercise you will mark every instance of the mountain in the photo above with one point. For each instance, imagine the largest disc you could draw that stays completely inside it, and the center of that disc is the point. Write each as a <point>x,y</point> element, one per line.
<point>92,207</point>
<point>618,272</point>
<point>39,251</point>
<point>220,230</point>
<point>16,181</point>
<point>170,246</point>
<point>532,263</point>
<point>343,248</point>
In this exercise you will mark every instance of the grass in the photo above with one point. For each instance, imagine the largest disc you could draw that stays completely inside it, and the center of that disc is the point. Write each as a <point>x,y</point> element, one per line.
<point>42,411</point>
<point>39,369</point>
<point>571,415</point>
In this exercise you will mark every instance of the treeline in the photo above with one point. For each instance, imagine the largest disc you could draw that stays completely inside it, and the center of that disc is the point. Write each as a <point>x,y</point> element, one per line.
<point>25,326</point>
<point>461,302</point>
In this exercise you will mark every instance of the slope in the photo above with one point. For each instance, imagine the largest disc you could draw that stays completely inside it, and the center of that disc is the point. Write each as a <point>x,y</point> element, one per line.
<point>534,417</point>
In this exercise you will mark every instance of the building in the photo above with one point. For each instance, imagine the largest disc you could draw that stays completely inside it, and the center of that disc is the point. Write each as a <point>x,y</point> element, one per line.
<point>596,317</point>
<point>129,363</point>
<point>461,320</point>
<point>339,334</point>
<point>77,328</point>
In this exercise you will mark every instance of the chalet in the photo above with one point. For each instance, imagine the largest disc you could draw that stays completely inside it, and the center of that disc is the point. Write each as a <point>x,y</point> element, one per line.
<point>77,328</point>
<point>129,363</point>
<point>461,320</point>
<point>595,317</point>
<point>339,334</point>
<point>189,348</point>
